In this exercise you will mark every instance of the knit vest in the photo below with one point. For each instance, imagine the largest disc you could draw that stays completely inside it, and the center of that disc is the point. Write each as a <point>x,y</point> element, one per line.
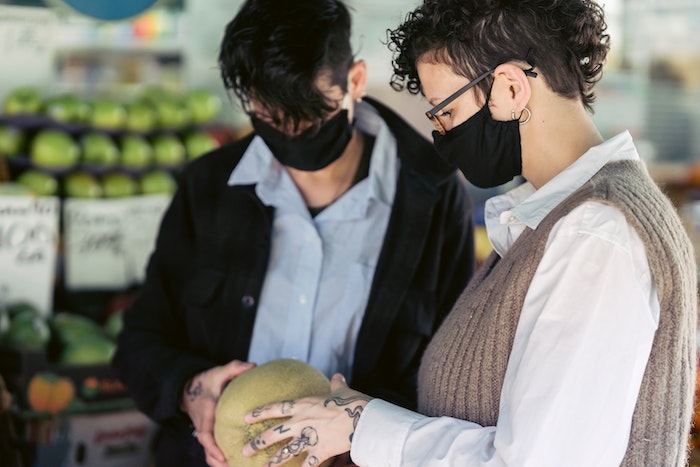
<point>464,366</point>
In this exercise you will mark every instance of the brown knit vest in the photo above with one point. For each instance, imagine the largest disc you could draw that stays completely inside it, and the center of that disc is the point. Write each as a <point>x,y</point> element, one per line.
<point>464,366</point>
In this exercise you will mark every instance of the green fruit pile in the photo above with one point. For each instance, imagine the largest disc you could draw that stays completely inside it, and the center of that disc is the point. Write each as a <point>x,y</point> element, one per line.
<point>67,338</point>
<point>117,147</point>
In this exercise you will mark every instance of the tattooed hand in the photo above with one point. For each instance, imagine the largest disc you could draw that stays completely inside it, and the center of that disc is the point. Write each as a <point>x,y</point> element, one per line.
<point>319,428</point>
<point>199,398</point>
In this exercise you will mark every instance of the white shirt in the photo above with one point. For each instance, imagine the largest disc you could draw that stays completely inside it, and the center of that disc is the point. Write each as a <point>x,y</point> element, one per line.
<point>320,269</point>
<point>580,348</point>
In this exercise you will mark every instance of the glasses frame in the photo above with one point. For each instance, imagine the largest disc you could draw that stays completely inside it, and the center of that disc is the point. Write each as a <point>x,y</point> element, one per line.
<point>432,114</point>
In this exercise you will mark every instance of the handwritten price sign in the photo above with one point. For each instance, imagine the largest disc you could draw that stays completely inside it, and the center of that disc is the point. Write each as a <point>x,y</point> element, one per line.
<point>28,249</point>
<point>108,242</point>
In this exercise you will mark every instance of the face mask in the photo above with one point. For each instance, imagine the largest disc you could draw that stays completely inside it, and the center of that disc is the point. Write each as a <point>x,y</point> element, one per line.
<point>308,151</point>
<point>485,150</point>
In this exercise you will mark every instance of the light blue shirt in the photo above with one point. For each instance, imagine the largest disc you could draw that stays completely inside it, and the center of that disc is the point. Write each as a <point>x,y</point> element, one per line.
<point>320,269</point>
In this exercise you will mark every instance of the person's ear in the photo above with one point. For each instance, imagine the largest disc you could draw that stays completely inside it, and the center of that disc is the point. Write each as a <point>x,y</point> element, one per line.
<point>510,93</point>
<point>357,80</point>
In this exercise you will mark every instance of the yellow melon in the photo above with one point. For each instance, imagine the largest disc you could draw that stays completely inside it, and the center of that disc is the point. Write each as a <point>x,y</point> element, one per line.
<point>278,380</point>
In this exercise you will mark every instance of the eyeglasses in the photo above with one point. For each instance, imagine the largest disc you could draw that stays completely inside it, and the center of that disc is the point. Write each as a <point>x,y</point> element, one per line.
<point>432,114</point>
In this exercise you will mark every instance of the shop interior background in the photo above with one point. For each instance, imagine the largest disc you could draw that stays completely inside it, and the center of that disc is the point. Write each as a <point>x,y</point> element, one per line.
<point>651,84</point>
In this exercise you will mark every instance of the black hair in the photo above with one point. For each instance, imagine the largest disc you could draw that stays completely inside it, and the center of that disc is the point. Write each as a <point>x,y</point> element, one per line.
<point>566,40</point>
<point>274,51</point>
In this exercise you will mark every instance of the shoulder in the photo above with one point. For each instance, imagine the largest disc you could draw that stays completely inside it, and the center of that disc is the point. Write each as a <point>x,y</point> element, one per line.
<point>597,218</point>
<point>215,166</point>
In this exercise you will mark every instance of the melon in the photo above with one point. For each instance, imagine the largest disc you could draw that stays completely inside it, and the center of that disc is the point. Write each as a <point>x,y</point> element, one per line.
<point>277,380</point>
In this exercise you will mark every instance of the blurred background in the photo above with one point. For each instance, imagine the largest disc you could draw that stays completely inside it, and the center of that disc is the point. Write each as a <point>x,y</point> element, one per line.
<point>103,102</point>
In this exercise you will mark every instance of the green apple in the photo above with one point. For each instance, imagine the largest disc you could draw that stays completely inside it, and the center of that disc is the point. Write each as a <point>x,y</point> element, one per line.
<point>27,331</point>
<point>41,183</point>
<point>99,149</point>
<point>22,100</point>
<point>108,114</point>
<point>69,327</point>
<point>136,152</point>
<point>54,149</point>
<point>82,185</point>
<point>119,185</point>
<point>88,350</point>
<point>11,140</point>
<point>172,113</point>
<point>66,108</point>
<point>140,117</point>
<point>204,105</point>
<point>168,150</point>
<point>157,182</point>
<point>198,143</point>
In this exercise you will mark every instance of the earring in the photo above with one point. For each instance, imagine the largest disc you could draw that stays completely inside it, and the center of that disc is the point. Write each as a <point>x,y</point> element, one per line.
<point>529,115</point>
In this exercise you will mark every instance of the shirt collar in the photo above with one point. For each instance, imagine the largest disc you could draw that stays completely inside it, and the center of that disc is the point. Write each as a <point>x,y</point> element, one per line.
<point>530,206</point>
<point>259,167</point>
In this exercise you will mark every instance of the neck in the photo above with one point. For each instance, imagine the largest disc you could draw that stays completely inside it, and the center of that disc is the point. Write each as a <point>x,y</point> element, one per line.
<point>323,187</point>
<point>560,133</point>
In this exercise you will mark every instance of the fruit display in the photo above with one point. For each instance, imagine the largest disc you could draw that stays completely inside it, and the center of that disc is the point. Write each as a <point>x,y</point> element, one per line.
<point>67,338</point>
<point>60,362</point>
<point>110,142</point>
<point>277,380</point>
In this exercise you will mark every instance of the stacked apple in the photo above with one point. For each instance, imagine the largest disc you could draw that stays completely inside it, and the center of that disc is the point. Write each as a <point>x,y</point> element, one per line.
<point>102,147</point>
<point>67,338</point>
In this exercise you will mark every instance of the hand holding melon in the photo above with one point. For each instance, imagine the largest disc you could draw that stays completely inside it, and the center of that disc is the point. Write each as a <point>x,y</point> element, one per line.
<point>199,399</point>
<point>278,380</point>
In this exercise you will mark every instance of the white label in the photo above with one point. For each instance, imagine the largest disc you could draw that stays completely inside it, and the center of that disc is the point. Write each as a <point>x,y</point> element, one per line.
<point>28,244</point>
<point>94,244</point>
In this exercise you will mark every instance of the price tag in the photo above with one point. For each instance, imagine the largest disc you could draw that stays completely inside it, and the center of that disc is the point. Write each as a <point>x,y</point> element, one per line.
<point>140,231</point>
<point>28,249</point>
<point>95,257</point>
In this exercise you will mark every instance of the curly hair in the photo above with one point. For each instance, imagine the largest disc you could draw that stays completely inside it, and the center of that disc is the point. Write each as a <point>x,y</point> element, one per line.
<point>566,40</point>
<point>273,51</point>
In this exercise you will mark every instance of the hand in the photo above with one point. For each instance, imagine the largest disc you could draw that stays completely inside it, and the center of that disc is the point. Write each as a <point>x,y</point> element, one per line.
<point>199,400</point>
<point>320,426</point>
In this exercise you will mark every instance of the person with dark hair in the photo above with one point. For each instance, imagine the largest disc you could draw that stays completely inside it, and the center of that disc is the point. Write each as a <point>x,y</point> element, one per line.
<point>574,344</point>
<point>332,234</point>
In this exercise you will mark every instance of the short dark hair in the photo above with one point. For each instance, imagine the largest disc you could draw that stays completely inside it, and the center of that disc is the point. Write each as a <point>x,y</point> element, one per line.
<point>566,39</point>
<point>274,50</point>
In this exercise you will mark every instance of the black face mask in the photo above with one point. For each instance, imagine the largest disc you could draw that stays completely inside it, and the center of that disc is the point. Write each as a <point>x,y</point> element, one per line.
<point>309,151</point>
<point>485,150</point>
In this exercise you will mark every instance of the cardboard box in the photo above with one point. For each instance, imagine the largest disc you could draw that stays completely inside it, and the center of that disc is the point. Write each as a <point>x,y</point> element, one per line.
<point>112,439</point>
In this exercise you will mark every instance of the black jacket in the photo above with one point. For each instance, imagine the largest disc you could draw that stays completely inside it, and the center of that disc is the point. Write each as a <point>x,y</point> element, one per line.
<point>198,304</point>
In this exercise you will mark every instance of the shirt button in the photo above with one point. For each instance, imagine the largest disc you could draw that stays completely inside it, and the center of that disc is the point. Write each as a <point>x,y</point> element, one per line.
<point>247,301</point>
<point>302,299</point>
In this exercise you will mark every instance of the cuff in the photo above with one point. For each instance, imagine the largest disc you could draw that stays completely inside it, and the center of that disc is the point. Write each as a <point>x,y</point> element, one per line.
<point>381,433</point>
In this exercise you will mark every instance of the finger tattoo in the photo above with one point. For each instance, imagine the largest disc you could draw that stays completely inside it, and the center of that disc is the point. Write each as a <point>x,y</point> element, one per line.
<point>257,444</point>
<point>259,410</point>
<point>287,407</point>
<point>312,460</point>
<point>307,438</point>
<point>281,429</point>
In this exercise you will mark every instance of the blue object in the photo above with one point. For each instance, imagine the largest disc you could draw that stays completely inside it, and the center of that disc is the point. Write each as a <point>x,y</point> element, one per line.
<point>110,10</point>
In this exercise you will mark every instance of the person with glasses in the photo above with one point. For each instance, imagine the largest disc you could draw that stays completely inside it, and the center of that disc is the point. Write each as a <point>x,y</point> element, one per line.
<point>332,234</point>
<point>574,344</point>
